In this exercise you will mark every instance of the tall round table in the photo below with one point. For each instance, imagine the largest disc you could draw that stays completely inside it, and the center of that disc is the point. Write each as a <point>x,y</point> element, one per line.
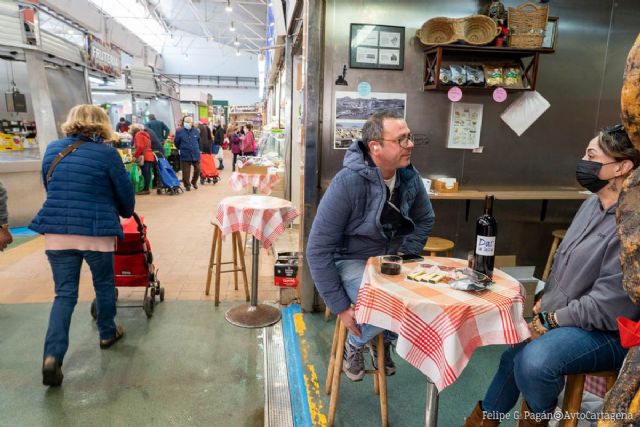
<point>265,218</point>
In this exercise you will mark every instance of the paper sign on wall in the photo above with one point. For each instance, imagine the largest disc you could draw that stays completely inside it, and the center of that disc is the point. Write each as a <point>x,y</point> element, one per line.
<point>524,111</point>
<point>464,125</point>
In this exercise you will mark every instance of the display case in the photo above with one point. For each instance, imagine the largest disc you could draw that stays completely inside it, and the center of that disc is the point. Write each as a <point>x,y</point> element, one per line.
<point>271,145</point>
<point>525,61</point>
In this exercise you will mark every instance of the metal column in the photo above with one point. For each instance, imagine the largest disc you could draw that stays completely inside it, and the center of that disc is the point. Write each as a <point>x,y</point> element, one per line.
<point>314,58</point>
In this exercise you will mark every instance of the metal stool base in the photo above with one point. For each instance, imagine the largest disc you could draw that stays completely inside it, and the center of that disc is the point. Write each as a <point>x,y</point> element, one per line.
<point>248,316</point>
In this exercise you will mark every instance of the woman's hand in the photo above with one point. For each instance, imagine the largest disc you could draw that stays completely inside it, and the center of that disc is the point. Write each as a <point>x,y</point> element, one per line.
<point>537,306</point>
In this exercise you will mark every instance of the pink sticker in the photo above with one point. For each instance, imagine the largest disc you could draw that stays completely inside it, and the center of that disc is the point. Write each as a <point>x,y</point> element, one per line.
<point>454,94</point>
<point>499,95</point>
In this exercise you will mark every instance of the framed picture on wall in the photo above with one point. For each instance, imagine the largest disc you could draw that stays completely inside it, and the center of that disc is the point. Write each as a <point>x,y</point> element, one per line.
<point>376,46</point>
<point>550,34</point>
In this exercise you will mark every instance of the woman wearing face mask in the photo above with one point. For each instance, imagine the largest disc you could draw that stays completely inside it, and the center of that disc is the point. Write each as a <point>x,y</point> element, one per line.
<point>574,327</point>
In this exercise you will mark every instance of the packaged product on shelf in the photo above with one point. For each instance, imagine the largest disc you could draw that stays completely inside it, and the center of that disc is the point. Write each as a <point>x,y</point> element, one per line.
<point>458,75</point>
<point>512,77</point>
<point>493,75</point>
<point>445,75</point>
<point>475,76</point>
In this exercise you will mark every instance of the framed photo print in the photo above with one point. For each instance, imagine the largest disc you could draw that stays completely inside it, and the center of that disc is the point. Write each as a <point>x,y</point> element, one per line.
<point>377,47</point>
<point>550,34</point>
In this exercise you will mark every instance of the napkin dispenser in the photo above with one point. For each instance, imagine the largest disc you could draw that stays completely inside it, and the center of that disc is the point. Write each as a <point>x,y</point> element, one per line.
<point>445,185</point>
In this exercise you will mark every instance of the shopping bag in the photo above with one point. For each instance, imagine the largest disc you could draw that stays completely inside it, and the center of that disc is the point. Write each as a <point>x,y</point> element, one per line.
<point>629,332</point>
<point>136,178</point>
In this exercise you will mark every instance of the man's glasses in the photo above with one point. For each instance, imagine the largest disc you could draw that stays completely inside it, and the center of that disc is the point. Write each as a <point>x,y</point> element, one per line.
<point>403,141</point>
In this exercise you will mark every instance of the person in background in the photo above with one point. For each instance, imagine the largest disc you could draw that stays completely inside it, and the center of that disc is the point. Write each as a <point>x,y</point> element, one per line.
<point>205,136</point>
<point>5,234</point>
<point>158,149</point>
<point>218,139</point>
<point>88,190</point>
<point>249,142</point>
<point>376,205</point>
<point>123,125</point>
<point>187,141</point>
<point>158,127</point>
<point>574,328</point>
<point>236,146</point>
<point>144,147</point>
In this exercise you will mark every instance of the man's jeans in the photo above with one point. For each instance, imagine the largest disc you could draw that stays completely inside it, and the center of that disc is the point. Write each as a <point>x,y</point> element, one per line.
<point>66,266</point>
<point>537,369</point>
<point>351,272</point>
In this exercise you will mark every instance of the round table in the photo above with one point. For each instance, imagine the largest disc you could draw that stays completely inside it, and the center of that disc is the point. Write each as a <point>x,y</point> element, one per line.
<point>265,218</point>
<point>263,182</point>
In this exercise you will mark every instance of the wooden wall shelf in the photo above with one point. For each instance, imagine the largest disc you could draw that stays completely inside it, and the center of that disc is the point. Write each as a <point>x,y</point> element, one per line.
<point>438,56</point>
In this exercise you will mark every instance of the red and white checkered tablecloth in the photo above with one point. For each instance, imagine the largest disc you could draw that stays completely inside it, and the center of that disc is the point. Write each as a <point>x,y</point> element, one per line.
<point>440,327</point>
<point>264,217</point>
<point>264,183</point>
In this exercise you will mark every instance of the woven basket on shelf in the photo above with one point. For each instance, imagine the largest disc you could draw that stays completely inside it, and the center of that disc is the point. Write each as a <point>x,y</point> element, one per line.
<point>527,23</point>
<point>475,29</point>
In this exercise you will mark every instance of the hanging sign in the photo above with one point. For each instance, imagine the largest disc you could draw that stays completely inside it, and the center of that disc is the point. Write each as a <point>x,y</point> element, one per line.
<point>455,94</point>
<point>499,95</point>
<point>104,57</point>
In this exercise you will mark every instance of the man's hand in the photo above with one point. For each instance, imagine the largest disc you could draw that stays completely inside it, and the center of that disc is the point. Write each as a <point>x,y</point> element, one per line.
<point>348,319</point>
<point>6,238</point>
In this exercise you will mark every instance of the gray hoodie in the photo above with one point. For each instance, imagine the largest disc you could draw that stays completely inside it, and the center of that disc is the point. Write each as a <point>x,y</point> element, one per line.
<point>4,214</point>
<point>585,285</point>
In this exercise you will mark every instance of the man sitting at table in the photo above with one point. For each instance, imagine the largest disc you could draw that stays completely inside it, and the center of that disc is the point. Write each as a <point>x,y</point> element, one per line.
<point>376,205</point>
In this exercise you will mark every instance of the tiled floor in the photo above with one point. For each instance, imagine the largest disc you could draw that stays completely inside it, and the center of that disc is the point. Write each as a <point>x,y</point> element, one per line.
<point>180,233</point>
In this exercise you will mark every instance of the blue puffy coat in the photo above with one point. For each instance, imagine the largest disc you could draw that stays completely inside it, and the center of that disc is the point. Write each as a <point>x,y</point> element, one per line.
<point>188,142</point>
<point>347,222</point>
<point>88,192</point>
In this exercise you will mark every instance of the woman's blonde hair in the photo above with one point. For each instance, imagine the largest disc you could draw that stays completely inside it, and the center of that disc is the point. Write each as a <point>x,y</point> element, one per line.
<point>88,120</point>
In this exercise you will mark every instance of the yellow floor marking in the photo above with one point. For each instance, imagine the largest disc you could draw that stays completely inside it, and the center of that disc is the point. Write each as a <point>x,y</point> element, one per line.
<point>316,406</point>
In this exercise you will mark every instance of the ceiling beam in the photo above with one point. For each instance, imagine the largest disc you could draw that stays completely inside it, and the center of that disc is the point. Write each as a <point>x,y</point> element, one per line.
<point>258,20</point>
<point>196,14</point>
<point>248,27</point>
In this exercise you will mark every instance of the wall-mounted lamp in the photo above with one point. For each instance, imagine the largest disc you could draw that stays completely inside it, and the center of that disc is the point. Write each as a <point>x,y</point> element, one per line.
<point>340,81</point>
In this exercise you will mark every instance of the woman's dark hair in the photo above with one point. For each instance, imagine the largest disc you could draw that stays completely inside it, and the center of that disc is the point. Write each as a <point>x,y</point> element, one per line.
<point>615,143</point>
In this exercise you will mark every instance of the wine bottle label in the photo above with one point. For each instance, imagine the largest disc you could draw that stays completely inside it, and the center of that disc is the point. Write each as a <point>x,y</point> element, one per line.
<point>485,245</point>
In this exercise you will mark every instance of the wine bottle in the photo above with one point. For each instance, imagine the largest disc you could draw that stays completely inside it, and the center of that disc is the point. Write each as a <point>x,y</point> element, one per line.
<point>486,230</point>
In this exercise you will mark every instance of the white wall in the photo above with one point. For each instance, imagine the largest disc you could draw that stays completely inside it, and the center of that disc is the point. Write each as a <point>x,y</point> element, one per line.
<point>209,59</point>
<point>234,96</point>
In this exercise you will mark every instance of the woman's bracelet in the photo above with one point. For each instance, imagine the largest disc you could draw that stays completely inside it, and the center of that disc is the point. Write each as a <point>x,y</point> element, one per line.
<point>548,320</point>
<point>553,321</point>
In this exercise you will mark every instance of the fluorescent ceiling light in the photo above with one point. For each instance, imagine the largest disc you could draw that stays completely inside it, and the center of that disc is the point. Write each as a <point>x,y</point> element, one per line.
<point>132,15</point>
<point>232,27</point>
<point>228,8</point>
<point>238,52</point>
<point>236,42</point>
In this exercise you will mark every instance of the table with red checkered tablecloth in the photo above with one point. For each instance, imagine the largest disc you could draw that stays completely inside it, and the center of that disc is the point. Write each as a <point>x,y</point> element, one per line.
<point>440,327</point>
<point>264,217</point>
<point>262,182</point>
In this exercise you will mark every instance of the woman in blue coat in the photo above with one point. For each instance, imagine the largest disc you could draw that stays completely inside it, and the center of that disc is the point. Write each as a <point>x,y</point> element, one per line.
<point>88,190</point>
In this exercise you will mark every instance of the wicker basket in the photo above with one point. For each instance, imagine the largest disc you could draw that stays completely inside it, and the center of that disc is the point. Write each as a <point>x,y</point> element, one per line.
<point>438,30</point>
<point>475,30</point>
<point>527,23</point>
<point>479,29</point>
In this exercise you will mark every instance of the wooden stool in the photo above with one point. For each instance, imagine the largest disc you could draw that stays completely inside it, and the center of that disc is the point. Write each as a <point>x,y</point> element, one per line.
<point>558,235</point>
<point>438,244</point>
<point>573,392</point>
<point>332,384</point>
<point>216,251</point>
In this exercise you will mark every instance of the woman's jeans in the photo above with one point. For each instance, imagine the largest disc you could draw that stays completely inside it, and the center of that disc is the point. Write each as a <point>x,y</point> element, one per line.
<point>537,369</point>
<point>66,275</point>
<point>146,174</point>
<point>351,272</point>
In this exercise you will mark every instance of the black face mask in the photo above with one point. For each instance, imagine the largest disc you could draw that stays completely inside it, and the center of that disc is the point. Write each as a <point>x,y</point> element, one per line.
<point>587,175</point>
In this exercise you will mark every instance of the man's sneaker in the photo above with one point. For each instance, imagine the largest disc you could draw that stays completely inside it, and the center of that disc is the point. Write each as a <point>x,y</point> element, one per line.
<point>353,362</point>
<point>389,366</point>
